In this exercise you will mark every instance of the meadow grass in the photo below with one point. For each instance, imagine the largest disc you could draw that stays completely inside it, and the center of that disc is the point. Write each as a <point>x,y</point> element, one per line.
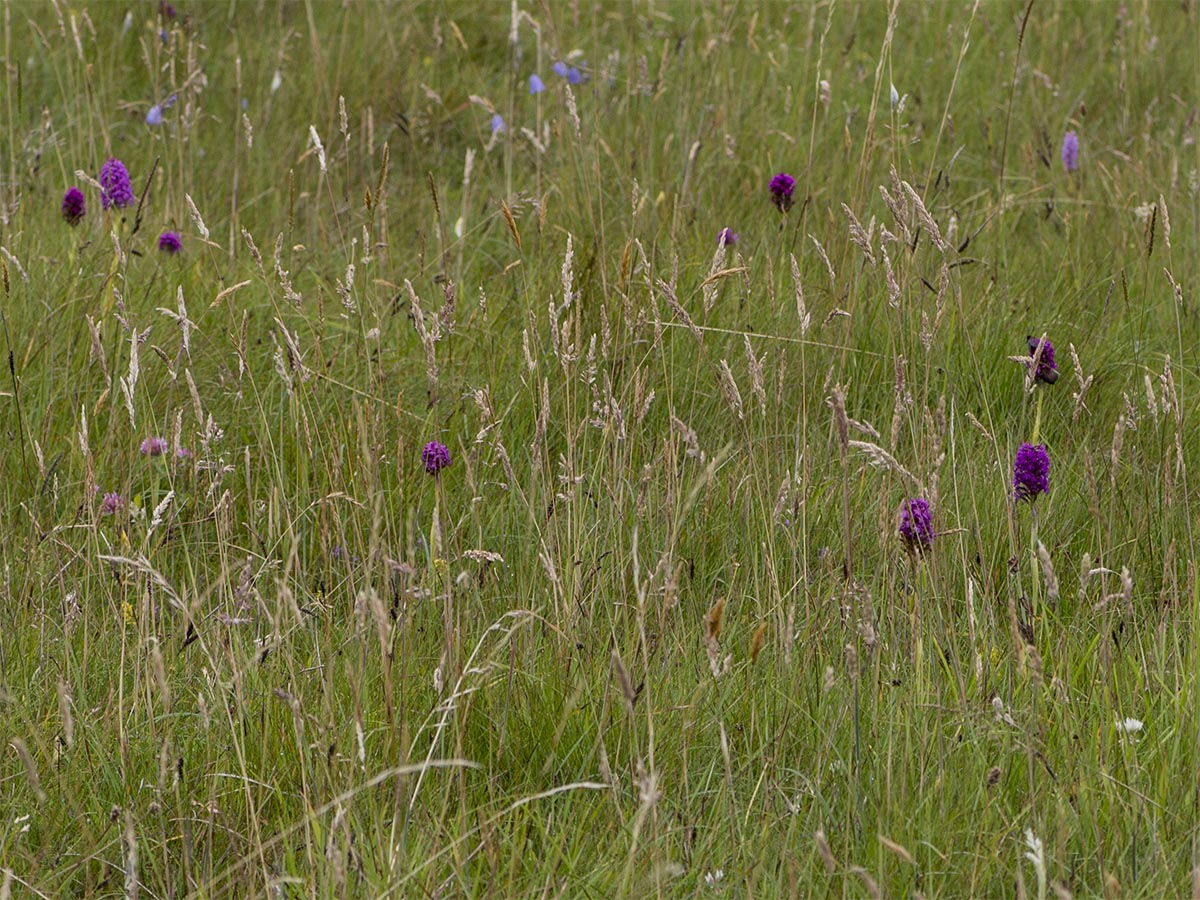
<point>654,630</point>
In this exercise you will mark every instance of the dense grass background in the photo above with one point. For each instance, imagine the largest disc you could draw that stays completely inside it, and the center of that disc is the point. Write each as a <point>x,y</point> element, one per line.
<point>653,633</point>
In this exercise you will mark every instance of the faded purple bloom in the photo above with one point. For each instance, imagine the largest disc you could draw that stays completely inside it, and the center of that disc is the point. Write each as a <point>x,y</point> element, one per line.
<point>560,69</point>
<point>116,189</point>
<point>727,238</point>
<point>1047,371</point>
<point>435,457</point>
<point>574,76</point>
<point>183,453</point>
<point>916,524</point>
<point>170,242</point>
<point>112,503</point>
<point>781,188</point>
<point>154,446</point>
<point>154,116</point>
<point>74,207</point>
<point>1031,471</point>
<point>1070,151</point>
<point>498,124</point>
<point>166,10</point>
<point>535,84</point>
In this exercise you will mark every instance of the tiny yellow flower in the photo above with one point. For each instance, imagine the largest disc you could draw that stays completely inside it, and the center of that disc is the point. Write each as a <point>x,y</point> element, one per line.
<point>127,612</point>
<point>441,569</point>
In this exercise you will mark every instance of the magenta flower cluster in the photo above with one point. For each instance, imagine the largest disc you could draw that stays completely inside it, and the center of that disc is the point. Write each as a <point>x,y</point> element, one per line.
<point>1070,151</point>
<point>154,446</point>
<point>782,186</point>
<point>435,457</point>
<point>1031,471</point>
<point>169,242</point>
<point>74,207</point>
<point>116,190</point>
<point>916,524</point>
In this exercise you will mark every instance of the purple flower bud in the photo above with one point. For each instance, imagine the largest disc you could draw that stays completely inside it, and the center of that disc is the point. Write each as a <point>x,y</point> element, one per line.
<point>116,189</point>
<point>1047,371</point>
<point>170,242</point>
<point>781,187</point>
<point>1070,151</point>
<point>727,238</point>
<point>1031,471</point>
<point>435,457</point>
<point>74,207</point>
<point>916,524</point>
<point>498,124</point>
<point>560,69</point>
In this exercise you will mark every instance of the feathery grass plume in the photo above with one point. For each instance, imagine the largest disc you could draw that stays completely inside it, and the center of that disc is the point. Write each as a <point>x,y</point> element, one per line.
<point>756,642</point>
<point>315,139</point>
<point>757,384</point>
<point>899,849</point>
<point>1070,151</point>
<point>869,883</point>
<point>16,264</point>
<point>923,216</point>
<point>628,694</point>
<point>729,389</point>
<point>1084,384</point>
<point>196,218</point>
<point>801,309</point>
<point>825,851</point>
<point>64,712</point>
<point>825,259</point>
<point>893,286</point>
<point>677,308</point>
<point>858,236</point>
<point>712,634</point>
<point>160,511</point>
<point>1031,471</point>
<point>1048,573</point>
<point>116,188</point>
<point>31,772</point>
<point>573,112</point>
<point>1166,220</point>
<point>1041,359</point>
<point>74,206</point>
<point>1118,442</point>
<point>133,881</point>
<point>879,457</point>
<point>1037,857</point>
